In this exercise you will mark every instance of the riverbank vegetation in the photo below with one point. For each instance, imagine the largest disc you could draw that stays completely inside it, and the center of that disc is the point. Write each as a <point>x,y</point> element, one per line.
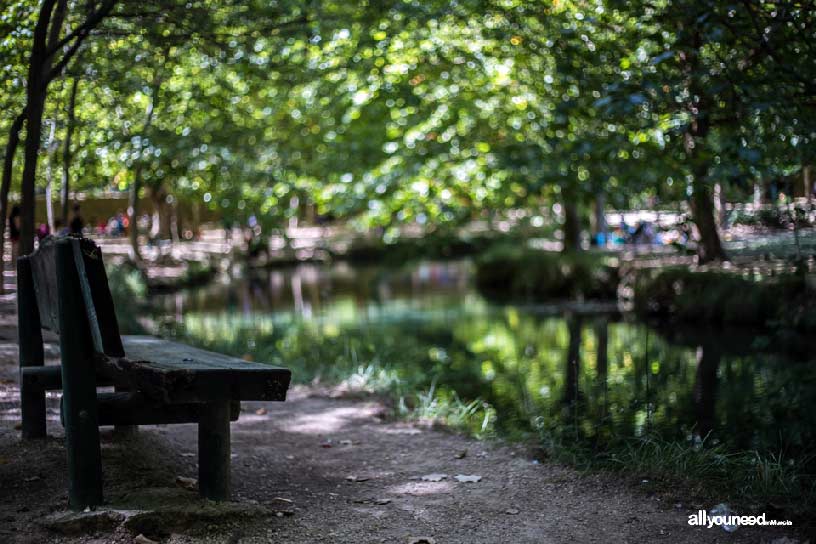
<point>599,395</point>
<point>784,301</point>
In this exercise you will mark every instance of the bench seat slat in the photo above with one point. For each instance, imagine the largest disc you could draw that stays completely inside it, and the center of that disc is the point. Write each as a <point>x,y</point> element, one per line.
<point>175,373</point>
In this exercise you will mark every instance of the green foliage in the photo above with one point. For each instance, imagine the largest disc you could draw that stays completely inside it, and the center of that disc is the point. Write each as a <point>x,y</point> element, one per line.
<point>446,245</point>
<point>128,288</point>
<point>517,272</point>
<point>426,112</point>
<point>708,471</point>
<point>726,298</point>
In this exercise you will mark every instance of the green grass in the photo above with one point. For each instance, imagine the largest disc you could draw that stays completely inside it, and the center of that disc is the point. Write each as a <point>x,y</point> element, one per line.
<point>697,469</point>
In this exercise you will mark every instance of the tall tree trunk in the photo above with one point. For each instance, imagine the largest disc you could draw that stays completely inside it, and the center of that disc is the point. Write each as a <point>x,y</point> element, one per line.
<point>163,214</point>
<point>702,211</point>
<point>42,69</point>
<point>66,152</point>
<point>5,187</point>
<point>572,221</point>
<point>133,210</point>
<point>698,106</point>
<point>36,90</point>
<point>136,187</point>
<point>49,178</point>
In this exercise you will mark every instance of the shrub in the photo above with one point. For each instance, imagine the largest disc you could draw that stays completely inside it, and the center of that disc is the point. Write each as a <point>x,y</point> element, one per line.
<point>725,298</point>
<point>517,272</point>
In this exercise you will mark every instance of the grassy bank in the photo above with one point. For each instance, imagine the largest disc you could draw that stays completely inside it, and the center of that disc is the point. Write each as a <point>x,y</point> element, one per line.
<point>516,272</point>
<point>702,471</point>
<point>726,298</point>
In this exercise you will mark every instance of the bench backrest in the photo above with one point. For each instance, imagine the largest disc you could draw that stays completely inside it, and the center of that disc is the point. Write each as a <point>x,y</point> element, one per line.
<point>63,264</point>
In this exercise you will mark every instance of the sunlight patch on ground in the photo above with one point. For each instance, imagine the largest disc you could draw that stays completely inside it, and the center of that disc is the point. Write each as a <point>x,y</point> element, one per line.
<point>422,488</point>
<point>330,420</point>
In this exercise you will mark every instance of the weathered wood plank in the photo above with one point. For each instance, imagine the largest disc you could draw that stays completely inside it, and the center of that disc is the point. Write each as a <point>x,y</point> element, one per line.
<point>96,303</point>
<point>172,372</point>
<point>137,409</point>
<point>44,274</point>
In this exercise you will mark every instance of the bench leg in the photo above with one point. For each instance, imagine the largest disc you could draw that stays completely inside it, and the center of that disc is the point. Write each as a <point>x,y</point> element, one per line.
<point>78,391</point>
<point>32,399</point>
<point>32,408</point>
<point>214,451</point>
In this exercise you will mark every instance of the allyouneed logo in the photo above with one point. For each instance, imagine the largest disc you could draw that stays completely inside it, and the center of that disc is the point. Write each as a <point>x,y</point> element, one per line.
<point>731,522</point>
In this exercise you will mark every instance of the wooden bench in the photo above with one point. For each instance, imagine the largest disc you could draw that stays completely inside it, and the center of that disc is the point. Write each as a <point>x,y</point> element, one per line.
<point>63,287</point>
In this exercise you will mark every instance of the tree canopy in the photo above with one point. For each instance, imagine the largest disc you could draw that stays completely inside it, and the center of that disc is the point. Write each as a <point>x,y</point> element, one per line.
<point>405,111</point>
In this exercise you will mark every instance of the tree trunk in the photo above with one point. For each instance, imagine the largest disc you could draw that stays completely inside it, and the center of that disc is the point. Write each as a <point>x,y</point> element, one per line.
<point>698,108</point>
<point>702,210</point>
<point>572,222</point>
<point>133,207</point>
<point>162,216</point>
<point>8,167</point>
<point>37,87</point>
<point>49,178</point>
<point>41,70</point>
<point>133,210</point>
<point>66,152</point>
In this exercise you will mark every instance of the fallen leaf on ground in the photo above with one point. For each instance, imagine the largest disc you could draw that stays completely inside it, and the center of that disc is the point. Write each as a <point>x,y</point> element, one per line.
<point>282,499</point>
<point>248,357</point>
<point>434,477</point>
<point>512,511</point>
<point>141,539</point>
<point>372,501</point>
<point>186,483</point>
<point>260,411</point>
<point>357,478</point>
<point>422,540</point>
<point>468,478</point>
<point>460,454</point>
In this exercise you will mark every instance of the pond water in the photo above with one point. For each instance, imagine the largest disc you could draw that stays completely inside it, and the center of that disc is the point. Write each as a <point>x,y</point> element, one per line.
<point>424,333</point>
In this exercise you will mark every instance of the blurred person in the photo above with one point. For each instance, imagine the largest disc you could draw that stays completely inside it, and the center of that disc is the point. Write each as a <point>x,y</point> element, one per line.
<point>42,231</point>
<point>14,233</point>
<point>77,223</point>
<point>59,228</point>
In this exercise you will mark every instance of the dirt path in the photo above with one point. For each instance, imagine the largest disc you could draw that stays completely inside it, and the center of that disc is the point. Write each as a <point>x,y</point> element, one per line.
<point>350,476</point>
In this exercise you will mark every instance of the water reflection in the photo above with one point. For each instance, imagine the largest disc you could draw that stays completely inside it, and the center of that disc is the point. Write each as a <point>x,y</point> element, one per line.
<point>598,379</point>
